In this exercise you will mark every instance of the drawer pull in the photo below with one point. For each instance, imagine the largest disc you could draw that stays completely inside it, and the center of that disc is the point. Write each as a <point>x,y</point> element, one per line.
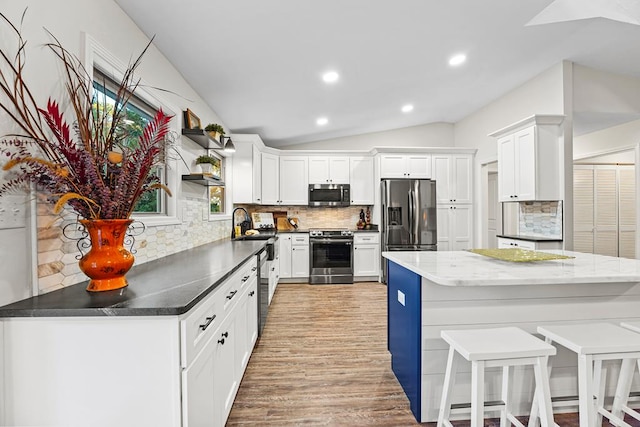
<point>245,278</point>
<point>207,323</point>
<point>225,335</point>
<point>251,293</point>
<point>231,294</point>
<point>221,341</point>
<point>254,268</point>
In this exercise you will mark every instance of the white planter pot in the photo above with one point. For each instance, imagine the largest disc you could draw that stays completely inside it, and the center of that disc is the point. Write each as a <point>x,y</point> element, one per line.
<point>206,168</point>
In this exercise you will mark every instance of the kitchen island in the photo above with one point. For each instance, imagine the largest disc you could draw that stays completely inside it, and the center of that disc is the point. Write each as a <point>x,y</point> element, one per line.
<point>432,291</point>
<point>168,350</point>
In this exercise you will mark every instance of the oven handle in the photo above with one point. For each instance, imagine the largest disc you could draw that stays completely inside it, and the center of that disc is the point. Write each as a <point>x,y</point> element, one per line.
<point>332,241</point>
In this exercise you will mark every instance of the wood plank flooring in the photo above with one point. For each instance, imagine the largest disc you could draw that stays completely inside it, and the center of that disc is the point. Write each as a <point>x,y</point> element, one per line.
<point>323,361</point>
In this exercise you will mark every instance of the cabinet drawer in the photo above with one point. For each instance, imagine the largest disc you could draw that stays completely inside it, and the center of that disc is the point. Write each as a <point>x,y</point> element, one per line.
<point>237,282</point>
<point>515,243</point>
<point>201,321</point>
<point>299,239</point>
<point>366,238</point>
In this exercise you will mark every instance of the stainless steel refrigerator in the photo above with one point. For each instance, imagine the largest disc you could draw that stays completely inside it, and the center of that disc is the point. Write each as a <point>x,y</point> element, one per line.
<point>409,221</point>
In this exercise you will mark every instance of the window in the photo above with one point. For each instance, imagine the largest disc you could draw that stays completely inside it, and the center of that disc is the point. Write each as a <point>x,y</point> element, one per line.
<point>138,114</point>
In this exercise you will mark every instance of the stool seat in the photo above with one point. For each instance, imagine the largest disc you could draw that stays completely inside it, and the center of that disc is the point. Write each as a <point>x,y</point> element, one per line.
<point>634,326</point>
<point>496,344</point>
<point>490,348</point>
<point>593,338</point>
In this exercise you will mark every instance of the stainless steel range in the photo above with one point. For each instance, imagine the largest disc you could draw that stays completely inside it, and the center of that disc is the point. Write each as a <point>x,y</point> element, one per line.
<point>330,256</point>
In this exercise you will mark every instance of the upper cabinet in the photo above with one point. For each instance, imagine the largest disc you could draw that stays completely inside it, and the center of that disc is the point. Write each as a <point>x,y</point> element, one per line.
<point>270,179</point>
<point>247,173</point>
<point>453,173</point>
<point>417,166</point>
<point>529,159</point>
<point>329,170</point>
<point>361,177</point>
<point>294,181</point>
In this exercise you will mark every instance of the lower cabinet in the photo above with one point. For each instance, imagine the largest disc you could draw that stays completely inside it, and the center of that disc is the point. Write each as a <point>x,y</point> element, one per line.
<point>366,256</point>
<point>455,227</point>
<point>531,245</point>
<point>131,371</point>
<point>294,255</point>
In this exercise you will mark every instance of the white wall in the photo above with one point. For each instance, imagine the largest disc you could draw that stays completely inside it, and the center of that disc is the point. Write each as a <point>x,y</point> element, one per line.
<point>428,135</point>
<point>618,137</point>
<point>544,94</point>
<point>111,28</point>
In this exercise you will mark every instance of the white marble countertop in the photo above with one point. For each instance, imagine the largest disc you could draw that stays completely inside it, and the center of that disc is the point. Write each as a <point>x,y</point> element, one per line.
<point>462,268</point>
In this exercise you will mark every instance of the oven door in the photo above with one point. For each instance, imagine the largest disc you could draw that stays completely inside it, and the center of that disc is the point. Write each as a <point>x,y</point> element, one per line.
<point>331,260</point>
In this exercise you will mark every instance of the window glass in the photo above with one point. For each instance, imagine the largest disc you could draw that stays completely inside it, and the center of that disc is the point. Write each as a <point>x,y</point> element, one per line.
<point>138,114</point>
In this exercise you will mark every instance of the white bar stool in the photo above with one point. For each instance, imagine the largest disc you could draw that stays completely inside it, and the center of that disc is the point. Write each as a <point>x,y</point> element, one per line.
<point>623,389</point>
<point>593,343</point>
<point>498,347</point>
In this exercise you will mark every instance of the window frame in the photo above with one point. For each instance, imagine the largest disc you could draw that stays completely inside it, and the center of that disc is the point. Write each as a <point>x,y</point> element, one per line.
<point>96,56</point>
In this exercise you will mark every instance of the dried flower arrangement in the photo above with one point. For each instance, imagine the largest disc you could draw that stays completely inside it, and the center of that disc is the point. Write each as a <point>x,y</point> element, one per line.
<point>98,171</point>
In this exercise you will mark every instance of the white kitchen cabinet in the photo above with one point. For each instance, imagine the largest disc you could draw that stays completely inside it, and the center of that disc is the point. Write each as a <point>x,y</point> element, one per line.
<point>455,227</point>
<point>225,380</point>
<point>270,179</point>
<point>294,180</point>
<point>366,255</point>
<point>198,389</point>
<point>294,255</point>
<point>329,170</point>
<point>529,159</point>
<point>274,275</point>
<point>247,173</point>
<point>417,166</point>
<point>361,178</point>
<point>453,175</point>
<point>505,243</point>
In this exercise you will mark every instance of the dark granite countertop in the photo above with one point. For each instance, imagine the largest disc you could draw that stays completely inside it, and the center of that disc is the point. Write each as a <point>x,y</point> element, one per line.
<point>171,285</point>
<point>530,238</point>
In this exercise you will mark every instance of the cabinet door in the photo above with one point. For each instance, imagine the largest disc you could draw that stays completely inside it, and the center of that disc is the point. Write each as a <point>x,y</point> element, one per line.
<point>246,326</point>
<point>318,170</point>
<point>392,166</point>
<point>418,166</point>
<point>442,174</point>
<point>300,261</point>
<point>525,155</point>
<point>362,181</point>
<point>198,402</point>
<point>285,255</point>
<point>366,260</point>
<point>270,179</point>
<point>506,169</point>
<point>294,180</point>
<point>252,317</point>
<point>225,377</point>
<point>444,226</point>
<point>462,187</point>
<point>461,227</point>
<point>339,170</point>
<point>257,175</point>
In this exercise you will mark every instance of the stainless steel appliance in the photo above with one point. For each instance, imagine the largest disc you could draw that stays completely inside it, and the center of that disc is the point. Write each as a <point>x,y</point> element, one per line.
<point>408,216</point>
<point>265,259</point>
<point>330,256</point>
<point>329,195</point>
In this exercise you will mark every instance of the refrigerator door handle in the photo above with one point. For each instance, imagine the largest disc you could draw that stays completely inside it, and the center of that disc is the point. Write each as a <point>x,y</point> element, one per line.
<point>413,217</point>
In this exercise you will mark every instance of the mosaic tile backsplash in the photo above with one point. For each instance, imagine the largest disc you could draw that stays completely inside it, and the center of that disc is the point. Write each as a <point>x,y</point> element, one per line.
<point>57,255</point>
<point>540,219</point>
<point>315,217</point>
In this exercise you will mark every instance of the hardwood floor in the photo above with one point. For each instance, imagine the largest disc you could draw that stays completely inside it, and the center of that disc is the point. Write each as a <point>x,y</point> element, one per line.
<point>323,361</point>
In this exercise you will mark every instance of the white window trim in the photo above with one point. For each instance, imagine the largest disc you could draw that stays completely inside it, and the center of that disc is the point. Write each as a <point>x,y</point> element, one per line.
<point>95,55</point>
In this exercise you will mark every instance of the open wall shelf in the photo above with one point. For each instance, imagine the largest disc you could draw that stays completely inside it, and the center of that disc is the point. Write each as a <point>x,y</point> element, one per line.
<point>201,179</point>
<point>202,138</point>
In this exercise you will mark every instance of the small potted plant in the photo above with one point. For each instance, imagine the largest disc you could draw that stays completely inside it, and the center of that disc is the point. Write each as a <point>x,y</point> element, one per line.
<point>206,164</point>
<point>214,130</point>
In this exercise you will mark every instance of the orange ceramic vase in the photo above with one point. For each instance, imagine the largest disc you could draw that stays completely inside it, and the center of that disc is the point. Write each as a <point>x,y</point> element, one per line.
<point>108,261</point>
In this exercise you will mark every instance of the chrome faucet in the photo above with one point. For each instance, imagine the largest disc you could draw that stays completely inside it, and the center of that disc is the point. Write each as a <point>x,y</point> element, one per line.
<point>247,218</point>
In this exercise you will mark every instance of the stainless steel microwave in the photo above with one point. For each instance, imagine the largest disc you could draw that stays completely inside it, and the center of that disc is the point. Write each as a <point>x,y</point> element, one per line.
<point>331,195</point>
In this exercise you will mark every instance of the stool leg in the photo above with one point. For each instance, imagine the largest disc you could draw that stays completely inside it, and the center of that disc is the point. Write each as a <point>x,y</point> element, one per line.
<point>447,390</point>
<point>599,384</point>
<point>533,415</point>
<point>477,393</point>
<point>543,391</point>
<point>506,380</point>
<point>624,386</point>
<point>585,391</point>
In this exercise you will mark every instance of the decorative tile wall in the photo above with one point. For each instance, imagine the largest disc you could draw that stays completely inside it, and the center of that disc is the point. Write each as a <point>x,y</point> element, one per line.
<point>58,255</point>
<point>540,219</point>
<point>315,217</point>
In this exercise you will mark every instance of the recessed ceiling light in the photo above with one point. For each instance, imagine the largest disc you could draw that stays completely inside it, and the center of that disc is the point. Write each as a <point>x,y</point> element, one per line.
<point>457,59</point>
<point>322,121</point>
<point>407,108</point>
<point>330,77</point>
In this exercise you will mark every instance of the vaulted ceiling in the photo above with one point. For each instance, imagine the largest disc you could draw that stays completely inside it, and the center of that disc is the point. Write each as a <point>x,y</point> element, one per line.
<point>259,64</point>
